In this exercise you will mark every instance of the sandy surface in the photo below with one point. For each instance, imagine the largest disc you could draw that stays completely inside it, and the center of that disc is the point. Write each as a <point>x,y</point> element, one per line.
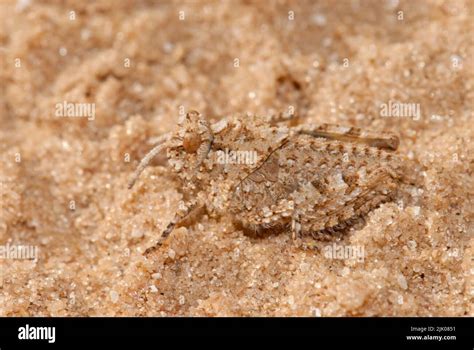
<point>64,178</point>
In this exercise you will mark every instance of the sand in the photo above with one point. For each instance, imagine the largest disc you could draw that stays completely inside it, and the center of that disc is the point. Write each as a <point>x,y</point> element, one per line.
<point>141,64</point>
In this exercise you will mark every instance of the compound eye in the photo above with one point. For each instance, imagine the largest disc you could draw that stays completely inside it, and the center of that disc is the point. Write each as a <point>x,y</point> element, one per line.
<point>191,142</point>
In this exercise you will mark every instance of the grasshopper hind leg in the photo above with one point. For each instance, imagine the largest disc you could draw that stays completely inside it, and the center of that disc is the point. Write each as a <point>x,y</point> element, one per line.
<point>382,140</point>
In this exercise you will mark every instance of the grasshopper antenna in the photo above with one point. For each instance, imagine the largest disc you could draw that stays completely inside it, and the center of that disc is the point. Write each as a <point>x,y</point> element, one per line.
<point>162,143</point>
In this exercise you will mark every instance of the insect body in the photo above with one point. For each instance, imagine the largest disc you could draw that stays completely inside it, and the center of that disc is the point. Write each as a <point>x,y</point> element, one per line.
<point>310,179</point>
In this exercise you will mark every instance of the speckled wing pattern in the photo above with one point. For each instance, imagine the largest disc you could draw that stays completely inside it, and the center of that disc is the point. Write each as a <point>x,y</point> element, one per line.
<point>316,184</point>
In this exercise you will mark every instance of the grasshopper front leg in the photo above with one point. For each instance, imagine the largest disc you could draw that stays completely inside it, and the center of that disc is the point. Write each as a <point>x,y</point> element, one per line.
<point>188,211</point>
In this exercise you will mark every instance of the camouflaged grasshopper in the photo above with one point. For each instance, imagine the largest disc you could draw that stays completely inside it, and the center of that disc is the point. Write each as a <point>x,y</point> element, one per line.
<point>309,179</point>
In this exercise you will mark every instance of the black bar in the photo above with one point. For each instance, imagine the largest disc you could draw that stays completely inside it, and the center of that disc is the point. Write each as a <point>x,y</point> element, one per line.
<point>85,331</point>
